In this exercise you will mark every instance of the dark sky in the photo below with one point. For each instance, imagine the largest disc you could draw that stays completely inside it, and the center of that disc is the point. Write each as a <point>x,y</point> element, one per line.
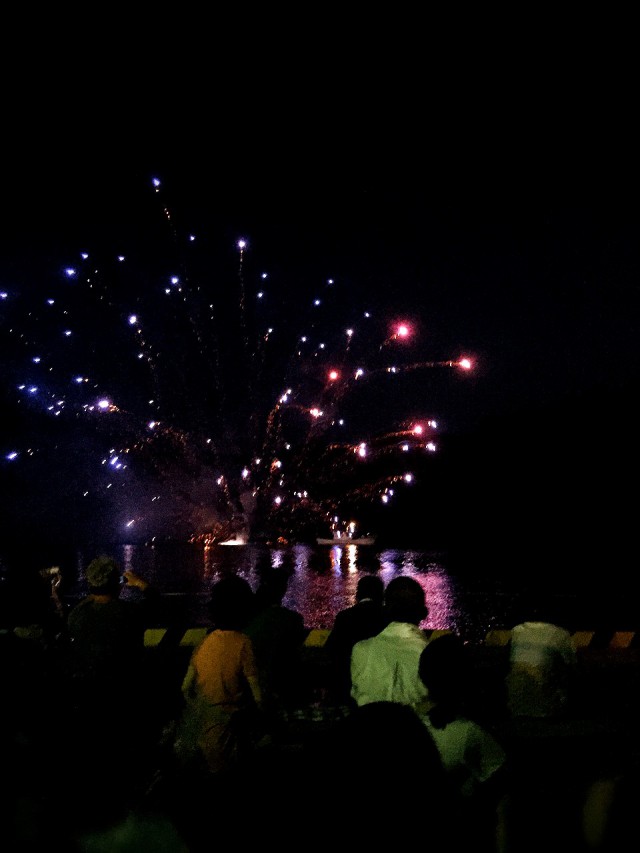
<point>536,278</point>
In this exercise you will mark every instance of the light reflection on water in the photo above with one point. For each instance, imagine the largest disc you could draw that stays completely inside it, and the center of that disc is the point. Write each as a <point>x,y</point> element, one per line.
<point>323,579</point>
<point>469,597</point>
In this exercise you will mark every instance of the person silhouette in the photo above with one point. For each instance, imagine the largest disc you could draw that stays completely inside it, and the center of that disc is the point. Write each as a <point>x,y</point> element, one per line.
<point>385,667</point>
<point>107,660</point>
<point>277,633</point>
<point>112,688</point>
<point>363,619</point>
<point>474,759</point>
<point>382,746</point>
<point>542,663</point>
<point>221,687</point>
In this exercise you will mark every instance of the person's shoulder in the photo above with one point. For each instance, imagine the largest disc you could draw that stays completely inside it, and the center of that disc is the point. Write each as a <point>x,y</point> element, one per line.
<point>207,640</point>
<point>465,726</point>
<point>291,622</point>
<point>84,605</point>
<point>295,616</point>
<point>290,611</point>
<point>357,611</point>
<point>560,631</point>
<point>342,616</point>
<point>364,645</point>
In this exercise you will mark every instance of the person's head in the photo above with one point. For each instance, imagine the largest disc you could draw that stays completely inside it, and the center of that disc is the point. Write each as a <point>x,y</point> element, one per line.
<point>370,588</point>
<point>387,740</point>
<point>273,587</point>
<point>445,669</point>
<point>404,600</point>
<point>103,576</point>
<point>232,603</point>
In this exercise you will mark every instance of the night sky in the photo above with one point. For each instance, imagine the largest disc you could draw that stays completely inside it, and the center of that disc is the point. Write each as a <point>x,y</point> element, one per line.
<point>517,256</point>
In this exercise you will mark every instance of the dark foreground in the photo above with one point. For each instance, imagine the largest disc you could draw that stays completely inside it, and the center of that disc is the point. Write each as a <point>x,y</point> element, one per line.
<point>72,781</point>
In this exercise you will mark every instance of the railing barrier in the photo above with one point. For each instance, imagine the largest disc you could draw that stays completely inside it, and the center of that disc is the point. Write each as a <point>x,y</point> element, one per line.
<point>316,638</point>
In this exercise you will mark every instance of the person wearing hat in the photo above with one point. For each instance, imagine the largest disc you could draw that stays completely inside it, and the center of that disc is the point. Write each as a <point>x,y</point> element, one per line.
<point>106,631</point>
<point>110,683</point>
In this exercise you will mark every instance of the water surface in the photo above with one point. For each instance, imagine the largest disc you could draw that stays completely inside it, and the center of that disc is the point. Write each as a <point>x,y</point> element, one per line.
<point>323,581</point>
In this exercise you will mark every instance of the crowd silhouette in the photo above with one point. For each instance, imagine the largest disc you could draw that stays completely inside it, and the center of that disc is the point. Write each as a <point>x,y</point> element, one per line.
<point>113,745</point>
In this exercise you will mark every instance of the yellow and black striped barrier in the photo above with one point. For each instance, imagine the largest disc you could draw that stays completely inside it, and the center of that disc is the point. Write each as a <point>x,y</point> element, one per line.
<point>316,638</point>
<point>593,640</point>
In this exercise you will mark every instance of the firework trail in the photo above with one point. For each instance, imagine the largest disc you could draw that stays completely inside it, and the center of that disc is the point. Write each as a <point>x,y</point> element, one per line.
<point>190,395</point>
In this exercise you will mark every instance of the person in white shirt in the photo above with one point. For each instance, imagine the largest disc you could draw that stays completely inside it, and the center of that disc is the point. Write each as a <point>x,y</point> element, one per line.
<point>542,662</point>
<point>474,760</point>
<point>385,667</point>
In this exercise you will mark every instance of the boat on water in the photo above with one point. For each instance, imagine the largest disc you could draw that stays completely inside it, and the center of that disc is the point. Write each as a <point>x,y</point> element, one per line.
<point>345,534</point>
<point>234,532</point>
<point>345,539</point>
<point>236,539</point>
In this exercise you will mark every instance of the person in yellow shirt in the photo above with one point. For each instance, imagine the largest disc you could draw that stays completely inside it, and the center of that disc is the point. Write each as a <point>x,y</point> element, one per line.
<point>221,687</point>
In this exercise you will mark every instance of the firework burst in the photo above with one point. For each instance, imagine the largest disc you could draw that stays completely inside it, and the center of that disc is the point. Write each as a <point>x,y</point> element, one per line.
<point>188,395</point>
